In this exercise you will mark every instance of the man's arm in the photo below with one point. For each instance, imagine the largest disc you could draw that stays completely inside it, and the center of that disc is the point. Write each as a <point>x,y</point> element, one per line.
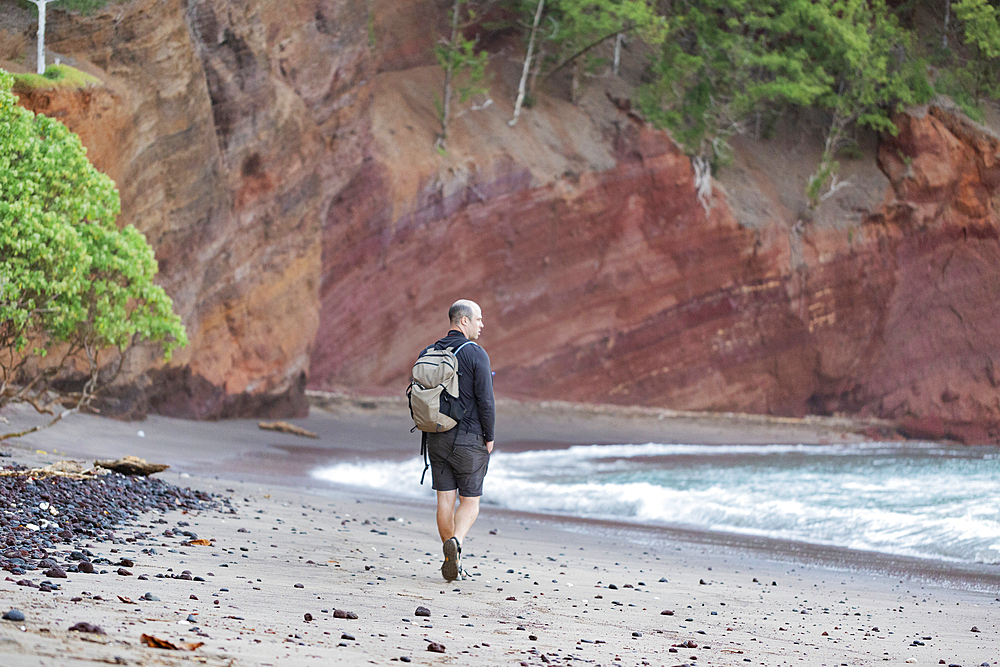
<point>484,397</point>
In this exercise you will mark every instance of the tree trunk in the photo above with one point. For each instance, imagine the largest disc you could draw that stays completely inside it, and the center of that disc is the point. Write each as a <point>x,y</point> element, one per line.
<point>947,20</point>
<point>521,88</point>
<point>448,72</point>
<point>618,52</point>
<point>41,34</point>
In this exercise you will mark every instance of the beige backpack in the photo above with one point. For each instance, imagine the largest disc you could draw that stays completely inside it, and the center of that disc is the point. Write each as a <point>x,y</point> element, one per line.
<point>433,390</point>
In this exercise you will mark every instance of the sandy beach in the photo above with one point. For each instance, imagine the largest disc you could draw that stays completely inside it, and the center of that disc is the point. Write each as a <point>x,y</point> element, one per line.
<point>282,579</point>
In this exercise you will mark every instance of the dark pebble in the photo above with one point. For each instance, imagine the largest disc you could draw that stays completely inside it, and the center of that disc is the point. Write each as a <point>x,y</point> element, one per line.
<point>974,629</point>
<point>434,647</point>
<point>667,612</point>
<point>123,572</point>
<point>126,562</point>
<point>85,566</point>
<point>56,573</point>
<point>299,585</point>
<point>612,587</point>
<point>13,615</point>
<point>347,637</point>
<point>404,658</point>
<point>191,619</point>
<point>422,611</point>
<point>149,597</point>
<point>663,580</point>
<point>532,638</point>
<point>637,634</point>
<point>308,616</point>
<point>87,627</point>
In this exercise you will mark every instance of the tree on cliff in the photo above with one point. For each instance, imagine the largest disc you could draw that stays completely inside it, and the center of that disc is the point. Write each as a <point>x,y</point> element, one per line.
<point>574,29</point>
<point>981,22</point>
<point>459,59</point>
<point>76,292</point>
<point>727,61</point>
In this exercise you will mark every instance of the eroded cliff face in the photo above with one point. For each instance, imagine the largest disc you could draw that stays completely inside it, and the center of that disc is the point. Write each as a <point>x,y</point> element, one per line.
<point>279,157</point>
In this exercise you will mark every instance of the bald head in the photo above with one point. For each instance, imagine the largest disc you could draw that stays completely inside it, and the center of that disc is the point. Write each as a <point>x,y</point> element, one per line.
<point>467,317</point>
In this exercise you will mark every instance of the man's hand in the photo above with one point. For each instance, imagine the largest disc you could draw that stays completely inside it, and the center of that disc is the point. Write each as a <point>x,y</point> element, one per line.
<point>489,447</point>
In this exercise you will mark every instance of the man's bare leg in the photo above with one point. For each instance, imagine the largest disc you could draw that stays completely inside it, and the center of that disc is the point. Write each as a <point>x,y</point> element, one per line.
<point>452,521</point>
<point>446,514</point>
<point>465,516</point>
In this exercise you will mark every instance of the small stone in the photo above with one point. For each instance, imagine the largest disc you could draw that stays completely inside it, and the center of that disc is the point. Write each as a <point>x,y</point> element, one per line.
<point>123,572</point>
<point>348,637</point>
<point>974,629</point>
<point>13,615</point>
<point>308,617</point>
<point>55,573</point>
<point>85,566</point>
<point>702,582</point>
<point>667,612</point>
<point>434,647</point>
<point>149,597</point>
<point>87,627</point>
<point>663,580</point>
<point>191,619</point>
<point>422,611</point>
<point>299,585</point>
<point>532,638</point>
<point>404,658</point>
<point>637,634</point>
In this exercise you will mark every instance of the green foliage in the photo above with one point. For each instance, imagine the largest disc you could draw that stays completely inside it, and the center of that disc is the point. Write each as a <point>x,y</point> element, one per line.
<point>981,22</point>
<point>728,59</point>
<point>70,281</point>
<point>56,76</point>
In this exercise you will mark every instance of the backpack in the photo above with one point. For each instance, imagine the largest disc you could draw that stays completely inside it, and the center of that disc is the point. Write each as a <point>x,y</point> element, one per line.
<point>433,390</point>
<point>433,395</point>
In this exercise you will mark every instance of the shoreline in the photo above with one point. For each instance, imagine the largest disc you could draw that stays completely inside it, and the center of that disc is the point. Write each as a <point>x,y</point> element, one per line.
<point>582,589</point>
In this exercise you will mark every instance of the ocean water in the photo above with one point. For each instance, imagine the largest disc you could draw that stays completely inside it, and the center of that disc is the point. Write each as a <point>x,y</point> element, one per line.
<point>921,500</point>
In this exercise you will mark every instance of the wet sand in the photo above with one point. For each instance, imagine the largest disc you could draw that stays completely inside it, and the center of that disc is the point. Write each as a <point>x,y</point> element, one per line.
<point>543,590</point>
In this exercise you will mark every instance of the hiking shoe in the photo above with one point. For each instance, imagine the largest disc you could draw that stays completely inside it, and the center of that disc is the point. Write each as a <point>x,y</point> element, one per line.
<point>452,557</point>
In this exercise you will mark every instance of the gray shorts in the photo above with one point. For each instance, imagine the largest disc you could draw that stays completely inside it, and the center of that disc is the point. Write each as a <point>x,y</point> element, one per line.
<point>458,461</point>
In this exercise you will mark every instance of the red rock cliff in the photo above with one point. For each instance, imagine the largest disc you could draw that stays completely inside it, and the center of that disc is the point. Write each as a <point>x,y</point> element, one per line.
<point>279,157</point>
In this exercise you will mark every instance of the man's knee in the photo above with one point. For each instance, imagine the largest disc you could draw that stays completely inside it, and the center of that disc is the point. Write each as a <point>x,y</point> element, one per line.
<point>469,501</point>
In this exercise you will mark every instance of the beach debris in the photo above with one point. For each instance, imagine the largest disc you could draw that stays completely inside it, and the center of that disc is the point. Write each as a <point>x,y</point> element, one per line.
<point>87,627</point>
<point>702,582</point>
<point>13,615</point>
<point>285,427</point>
<point>132,466</point>
<point>149,597</point>
<point>422,611</point>
<point>434,647</point>
<point>340,613</point>
<point>667,612</point>
<point>974,629</point>
<point>156,642</point>
<point>307,616</point>
<point>200,542</point>
<point>126,599</point>
<point>637,634</point>
<point>299,586</point>
<point>348,637</point>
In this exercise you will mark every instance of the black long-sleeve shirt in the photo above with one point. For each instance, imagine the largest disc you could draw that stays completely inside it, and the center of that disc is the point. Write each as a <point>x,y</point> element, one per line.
<point>475,385</point>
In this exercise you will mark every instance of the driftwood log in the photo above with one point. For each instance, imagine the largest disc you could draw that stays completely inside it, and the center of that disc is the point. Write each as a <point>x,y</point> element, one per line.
<point>285,427</point>
<point>132,465</point>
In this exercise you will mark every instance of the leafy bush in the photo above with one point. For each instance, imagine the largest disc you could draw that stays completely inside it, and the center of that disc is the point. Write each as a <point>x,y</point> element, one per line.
<point>73,287</point>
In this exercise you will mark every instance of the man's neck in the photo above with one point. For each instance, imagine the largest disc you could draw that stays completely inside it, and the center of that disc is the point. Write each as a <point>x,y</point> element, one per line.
<point>458,331</point>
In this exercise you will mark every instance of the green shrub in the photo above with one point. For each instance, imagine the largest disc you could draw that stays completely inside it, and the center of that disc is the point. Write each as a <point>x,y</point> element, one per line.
<point>74,289</point>
<point>56,76</point>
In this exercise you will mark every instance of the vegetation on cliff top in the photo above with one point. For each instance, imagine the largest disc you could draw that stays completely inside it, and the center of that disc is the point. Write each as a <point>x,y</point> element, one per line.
<point>75,291</point>
<point>714,68</point>
<point>56,76</point>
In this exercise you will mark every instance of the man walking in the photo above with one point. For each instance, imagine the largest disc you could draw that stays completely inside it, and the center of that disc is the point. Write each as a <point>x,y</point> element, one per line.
<point>459,457</point>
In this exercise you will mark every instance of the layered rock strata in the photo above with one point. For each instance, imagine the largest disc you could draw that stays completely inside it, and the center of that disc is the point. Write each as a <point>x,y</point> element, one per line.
<point>279,157</point>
